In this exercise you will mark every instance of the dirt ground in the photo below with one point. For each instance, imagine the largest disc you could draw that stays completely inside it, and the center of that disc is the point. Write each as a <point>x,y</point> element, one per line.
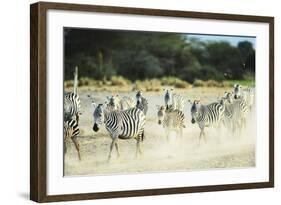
<point>221,149</point>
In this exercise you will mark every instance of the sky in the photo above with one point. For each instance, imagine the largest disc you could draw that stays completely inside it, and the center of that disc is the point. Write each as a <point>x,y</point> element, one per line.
<point>233,40</point>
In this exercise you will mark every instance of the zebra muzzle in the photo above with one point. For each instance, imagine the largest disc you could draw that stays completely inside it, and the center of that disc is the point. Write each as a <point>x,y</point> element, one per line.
<point>192,121</point>
<point>95,128</point>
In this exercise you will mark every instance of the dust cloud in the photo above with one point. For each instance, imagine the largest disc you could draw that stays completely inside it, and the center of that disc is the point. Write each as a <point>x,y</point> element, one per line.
<point>221,150</point>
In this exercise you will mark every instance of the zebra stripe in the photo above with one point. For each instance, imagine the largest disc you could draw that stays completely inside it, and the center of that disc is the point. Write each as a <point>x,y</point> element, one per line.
<point>125,124</point>
<point>178,102</point>
<point>172,120</point>
<point>71,131</point>
<point>127,103</point>
<point>247,94</point>
<point>207,115</point>
<point>168,97</point>
<point>235,113</point>
<point>113,103</point>
<point>142,102</point>
<point>117,103</point>
<point>71,106</point>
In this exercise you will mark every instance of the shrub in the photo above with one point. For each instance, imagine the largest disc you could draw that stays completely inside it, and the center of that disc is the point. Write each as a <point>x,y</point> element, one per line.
<point>119,81</point>
<point>153,85</point>
<point>182,84</point>
<point>84,82</point>
<point>198,83</point>
<point>173,81</point>
<point>168,80</point>
<point>68,83</point>
<point>148,85</point>
<point>213,83</point>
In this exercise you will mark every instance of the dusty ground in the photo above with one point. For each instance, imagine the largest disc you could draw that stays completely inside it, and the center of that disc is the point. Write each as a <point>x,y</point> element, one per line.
<point>221,150</point>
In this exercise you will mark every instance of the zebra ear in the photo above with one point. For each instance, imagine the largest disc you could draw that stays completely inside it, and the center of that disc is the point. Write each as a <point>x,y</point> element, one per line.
<point>94,104</point>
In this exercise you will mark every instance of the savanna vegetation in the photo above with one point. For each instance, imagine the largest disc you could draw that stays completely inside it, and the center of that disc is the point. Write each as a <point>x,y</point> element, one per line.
<point>147,59</point>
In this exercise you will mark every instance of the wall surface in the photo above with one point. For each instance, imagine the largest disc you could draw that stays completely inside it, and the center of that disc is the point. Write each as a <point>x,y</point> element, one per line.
<point>14,144</point>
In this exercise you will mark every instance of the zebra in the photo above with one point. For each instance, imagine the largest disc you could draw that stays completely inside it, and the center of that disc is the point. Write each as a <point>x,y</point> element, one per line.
<point>178,102</point>
<point>71,131</point>
<point>236,111</point>
<point>117,103</point>
<point>168,97</point>
<point>127,103</point>
<point>173,100</point>
<point>142,103</point>
<point>71,106</point>
<point>207,115</point>
<point>232,119</point>
<point>172,120</point>
<point>124,124</point>
<point>247,94</point>
<point>113,103</point>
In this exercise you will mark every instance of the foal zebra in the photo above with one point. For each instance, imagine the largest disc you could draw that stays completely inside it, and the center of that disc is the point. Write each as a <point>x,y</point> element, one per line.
<point>71,106</point>
<point>207,115</point>
<point>142,103</point>
<point>71,131</point>
<point>125,125</point>
<point>172,120</point>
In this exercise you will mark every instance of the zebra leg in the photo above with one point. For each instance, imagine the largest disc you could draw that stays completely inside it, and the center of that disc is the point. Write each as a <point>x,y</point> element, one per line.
<point>137,148</point>
<point>117,149</point>
<point>77,118</point>
<point>74,140</point>
<point>140,151</point>
<point>110,149</point>
<point>167,131</point>
<point>201,126</point>
<point>141,139</point>
<point>204,137</point>
<point>64,147</point>
<point>200,136</point>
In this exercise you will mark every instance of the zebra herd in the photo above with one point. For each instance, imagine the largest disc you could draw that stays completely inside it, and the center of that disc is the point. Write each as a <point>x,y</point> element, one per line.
<point>125,117</point>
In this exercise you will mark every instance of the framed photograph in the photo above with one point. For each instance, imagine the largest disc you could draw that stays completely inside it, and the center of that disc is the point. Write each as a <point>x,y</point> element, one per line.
<point>134,102</point>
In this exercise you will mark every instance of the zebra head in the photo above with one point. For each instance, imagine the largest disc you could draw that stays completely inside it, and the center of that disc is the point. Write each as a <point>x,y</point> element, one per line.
<point>228,97</point>
<point>194,110</point>
<point>160,113</point>
<point>113,102</point>
<point>98,117</point>
<point>139,98</point>
<point>237,91</point>
<point>168,96</point>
